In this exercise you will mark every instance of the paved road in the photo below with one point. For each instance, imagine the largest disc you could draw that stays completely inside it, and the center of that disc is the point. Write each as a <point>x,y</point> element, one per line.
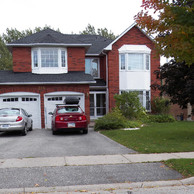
<point>84,175</point>
<point>41,143</point>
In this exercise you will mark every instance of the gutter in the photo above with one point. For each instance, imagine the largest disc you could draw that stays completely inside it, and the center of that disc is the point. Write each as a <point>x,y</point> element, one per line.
<point>46,83</point>
<point>107,89</point>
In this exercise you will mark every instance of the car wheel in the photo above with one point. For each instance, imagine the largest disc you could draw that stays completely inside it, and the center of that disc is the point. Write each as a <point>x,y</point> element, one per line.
<point>24,131</point>
<point>85,131</point>
<point>54,132</point>
<point>31,128</point>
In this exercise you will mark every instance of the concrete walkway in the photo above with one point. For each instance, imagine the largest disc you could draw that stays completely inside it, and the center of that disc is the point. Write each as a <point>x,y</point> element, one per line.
<point>91,160</point>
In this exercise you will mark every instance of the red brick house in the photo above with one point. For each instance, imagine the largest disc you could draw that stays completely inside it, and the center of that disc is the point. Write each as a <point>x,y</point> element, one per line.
<point>49,65</point>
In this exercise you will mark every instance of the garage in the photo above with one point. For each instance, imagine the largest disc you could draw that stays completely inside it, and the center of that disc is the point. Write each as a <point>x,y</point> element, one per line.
<point>26,100</point>
<point>53,98</point>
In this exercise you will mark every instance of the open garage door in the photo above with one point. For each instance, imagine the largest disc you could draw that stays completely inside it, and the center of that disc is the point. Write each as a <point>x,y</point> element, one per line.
<point>26,100</point>
<point>51,99</point>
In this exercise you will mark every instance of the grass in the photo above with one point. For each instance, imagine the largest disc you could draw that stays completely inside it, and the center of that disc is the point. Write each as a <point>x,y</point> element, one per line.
<point>184,166</point>
<point>157,137</point>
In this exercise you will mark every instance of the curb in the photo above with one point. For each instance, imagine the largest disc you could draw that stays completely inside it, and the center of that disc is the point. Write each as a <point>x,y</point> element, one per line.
<point>101,187</point>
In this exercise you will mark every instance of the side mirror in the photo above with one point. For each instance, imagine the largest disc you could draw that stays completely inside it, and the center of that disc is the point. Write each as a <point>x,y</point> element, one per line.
<point>50,113</point>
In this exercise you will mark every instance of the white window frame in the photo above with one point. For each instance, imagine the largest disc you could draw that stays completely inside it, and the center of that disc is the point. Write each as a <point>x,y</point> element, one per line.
<point>48,70</point>
<point>91,58</point>
<point>134,49</point>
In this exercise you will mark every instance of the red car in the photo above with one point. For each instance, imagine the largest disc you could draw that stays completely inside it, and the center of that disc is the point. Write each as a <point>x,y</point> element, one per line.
<point>69,117</point>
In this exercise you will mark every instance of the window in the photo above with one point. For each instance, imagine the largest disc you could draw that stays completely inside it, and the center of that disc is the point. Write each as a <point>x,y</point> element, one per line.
<point>134,58</point>
<point>50,60</point>
<point>144,98</point>
<point>92,67</point>
<point>10,99</point>
<point>134,62</point>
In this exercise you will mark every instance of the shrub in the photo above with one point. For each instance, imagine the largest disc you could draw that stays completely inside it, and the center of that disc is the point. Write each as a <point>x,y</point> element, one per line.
<point>161,118</point>
<point>129,104</point>
<point>112,120</point>
<point>160,105</point>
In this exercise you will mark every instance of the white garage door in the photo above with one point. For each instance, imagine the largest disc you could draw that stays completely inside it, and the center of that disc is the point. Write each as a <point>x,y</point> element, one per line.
<point>51,99</point>
<point>28,101</point>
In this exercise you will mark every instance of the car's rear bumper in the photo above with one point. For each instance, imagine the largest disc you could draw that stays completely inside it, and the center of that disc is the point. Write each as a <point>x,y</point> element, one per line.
<point>11,126</point>
<point>70,125</point>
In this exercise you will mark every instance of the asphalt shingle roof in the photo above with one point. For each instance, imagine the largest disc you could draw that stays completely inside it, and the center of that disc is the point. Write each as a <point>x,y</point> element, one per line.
<point>73,77</point>
<point>95,43</point>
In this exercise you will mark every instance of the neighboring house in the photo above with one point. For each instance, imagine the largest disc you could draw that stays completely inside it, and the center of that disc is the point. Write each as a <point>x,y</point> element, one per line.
<point>49,65</point>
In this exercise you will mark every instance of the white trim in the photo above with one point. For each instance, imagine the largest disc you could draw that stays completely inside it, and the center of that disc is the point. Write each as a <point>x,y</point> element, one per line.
<point>20,94</point>
<point>46,83</point>
<point>49,44</point>
<point>129,48</point>
<point>109,47</point>
<point>63,93</point>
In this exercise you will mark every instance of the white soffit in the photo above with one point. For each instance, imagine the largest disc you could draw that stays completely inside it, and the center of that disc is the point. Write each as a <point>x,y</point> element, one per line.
<point>128,48</point>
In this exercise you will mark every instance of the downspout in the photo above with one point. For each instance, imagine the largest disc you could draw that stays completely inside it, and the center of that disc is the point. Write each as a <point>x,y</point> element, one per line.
<point>107,89</point>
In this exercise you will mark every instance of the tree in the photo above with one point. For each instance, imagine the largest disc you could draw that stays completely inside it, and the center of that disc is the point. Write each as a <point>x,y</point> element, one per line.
<point>14,34</point>
<point>130,105</point>
<point>178,83</point>
<point>100,31</point>
<point>172,24</point>
<point>5,57</point>
<point>10,36</point>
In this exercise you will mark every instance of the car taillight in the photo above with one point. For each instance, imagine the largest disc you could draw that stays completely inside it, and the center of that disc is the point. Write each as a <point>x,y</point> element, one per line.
<point>82,118</point>
<point>19,118</point>
<point>58,118</point>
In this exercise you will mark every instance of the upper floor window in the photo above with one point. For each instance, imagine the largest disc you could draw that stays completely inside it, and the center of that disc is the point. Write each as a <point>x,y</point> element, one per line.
<point>134,58</point>
<point>49,60</point>
<point>92,67</point>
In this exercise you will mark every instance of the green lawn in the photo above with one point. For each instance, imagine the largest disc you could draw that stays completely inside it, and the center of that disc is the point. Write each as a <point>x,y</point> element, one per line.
<point>184,166</point>
<point>157,137</point>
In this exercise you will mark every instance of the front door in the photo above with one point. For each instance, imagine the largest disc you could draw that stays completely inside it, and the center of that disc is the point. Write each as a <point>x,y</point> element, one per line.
<point>97,104</point>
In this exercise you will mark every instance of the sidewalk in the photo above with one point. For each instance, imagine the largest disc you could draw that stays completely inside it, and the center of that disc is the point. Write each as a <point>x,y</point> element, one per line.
<point>91,160</point>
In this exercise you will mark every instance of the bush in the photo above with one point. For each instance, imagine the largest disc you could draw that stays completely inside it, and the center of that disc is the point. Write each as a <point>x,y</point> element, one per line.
<point>161,118</point>
<point>130,106</point>
<point>115,120</point>
<point>112,120</point>
<point>160,105</point>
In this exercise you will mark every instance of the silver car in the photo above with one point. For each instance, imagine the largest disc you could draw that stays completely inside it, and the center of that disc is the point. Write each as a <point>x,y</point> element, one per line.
<point>15,119</point>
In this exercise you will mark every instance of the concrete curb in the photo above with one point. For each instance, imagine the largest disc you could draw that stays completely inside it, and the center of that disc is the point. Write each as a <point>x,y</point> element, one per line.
<point>101,187</point>
<point>90,160</point>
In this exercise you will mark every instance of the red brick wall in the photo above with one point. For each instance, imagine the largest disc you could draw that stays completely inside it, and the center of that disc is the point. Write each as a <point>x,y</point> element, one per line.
<point>21,59</point>
<point>42,89</point>
<point>76,59</point>
<point>134,37</point>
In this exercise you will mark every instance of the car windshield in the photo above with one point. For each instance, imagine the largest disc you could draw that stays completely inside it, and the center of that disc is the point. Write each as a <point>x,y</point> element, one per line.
<point>7,111</point>
<point>69,109</point>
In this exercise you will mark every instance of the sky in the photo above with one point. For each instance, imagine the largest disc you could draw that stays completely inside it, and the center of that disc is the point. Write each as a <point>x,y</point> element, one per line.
<point>69,16</point>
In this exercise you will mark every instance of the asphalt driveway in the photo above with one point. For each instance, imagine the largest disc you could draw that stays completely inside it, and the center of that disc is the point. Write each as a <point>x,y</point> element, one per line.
<point>41,143</point>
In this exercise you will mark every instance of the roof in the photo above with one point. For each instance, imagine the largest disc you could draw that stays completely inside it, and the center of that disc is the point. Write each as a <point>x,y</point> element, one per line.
<point>28,78</point>
<point>109,47</point>
<point>48,37</point>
